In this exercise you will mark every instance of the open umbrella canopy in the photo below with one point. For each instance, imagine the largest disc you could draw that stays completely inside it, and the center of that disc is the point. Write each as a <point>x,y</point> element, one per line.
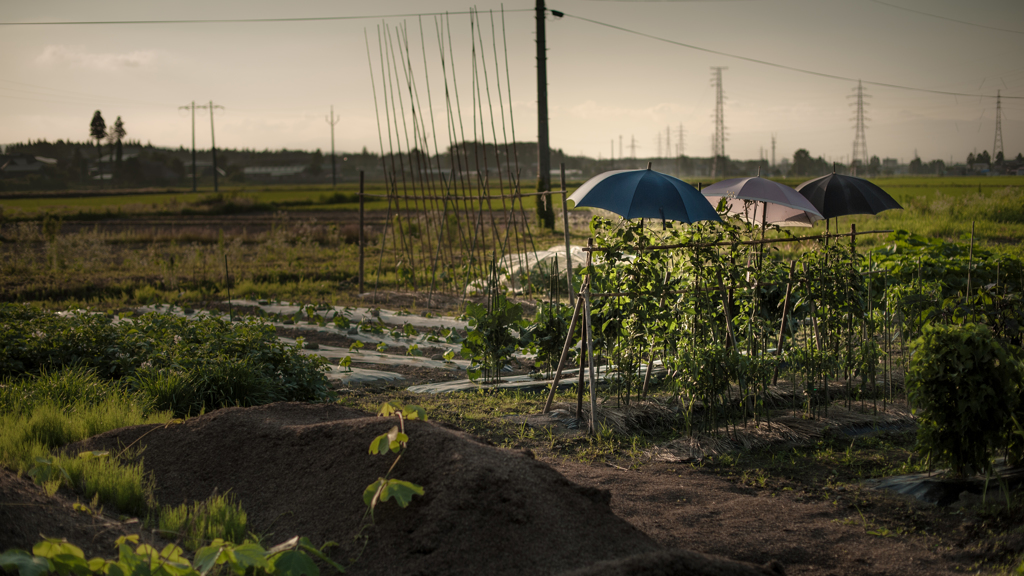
<point>761,200</point>
<point>645,194</point>
<point>838,195</point>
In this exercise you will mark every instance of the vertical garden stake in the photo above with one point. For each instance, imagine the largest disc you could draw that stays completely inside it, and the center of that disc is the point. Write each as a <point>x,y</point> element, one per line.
<point>590,342</point>
<point>362,235</point>
<point>565,227</point>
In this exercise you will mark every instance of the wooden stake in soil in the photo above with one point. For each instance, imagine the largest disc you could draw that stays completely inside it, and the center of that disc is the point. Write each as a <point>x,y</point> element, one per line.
<point>362,233</point>
<point>565,231</point>
<point>590,347</point>
<point>227,284</point>
<point>564,357</point>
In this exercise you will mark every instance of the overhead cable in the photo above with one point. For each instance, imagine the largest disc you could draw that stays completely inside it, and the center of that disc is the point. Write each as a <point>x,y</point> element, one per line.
<point>782,66</point>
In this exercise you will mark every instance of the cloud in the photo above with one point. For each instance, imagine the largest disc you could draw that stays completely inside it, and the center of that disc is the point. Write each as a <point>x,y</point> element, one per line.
<point>78,57</point>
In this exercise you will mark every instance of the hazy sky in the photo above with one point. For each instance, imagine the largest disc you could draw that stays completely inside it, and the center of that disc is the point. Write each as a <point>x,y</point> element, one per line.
<point>277,80</point>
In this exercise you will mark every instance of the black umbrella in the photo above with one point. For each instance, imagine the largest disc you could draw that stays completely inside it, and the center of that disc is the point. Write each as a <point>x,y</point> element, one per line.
<point>838,195</point>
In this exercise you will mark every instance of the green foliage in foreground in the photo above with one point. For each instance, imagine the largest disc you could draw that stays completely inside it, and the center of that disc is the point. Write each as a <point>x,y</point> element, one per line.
<point>394,440</point>
<point>178,364</point>
<point>52,556</point>
<point>965,386</point>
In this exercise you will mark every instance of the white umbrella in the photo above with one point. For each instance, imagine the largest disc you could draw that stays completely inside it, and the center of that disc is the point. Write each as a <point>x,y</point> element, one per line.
<point>763,201</point>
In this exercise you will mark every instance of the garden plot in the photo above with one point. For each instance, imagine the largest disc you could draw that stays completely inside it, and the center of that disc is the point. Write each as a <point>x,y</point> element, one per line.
<point>367,357</point>
<point>528,382</point>
<point>422,340</point>
<point>356,315</point>
<point>786,429</point>
<point>361,375</point>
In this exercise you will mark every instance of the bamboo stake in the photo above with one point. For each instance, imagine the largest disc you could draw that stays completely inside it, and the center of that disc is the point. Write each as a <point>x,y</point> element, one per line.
<point>565,231</point>
<point>362,234</point>
<point>564,357</point>
<point>590,347</point>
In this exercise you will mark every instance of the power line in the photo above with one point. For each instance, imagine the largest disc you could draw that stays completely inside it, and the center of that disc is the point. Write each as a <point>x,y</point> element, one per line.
<point>946,18</point>
<point>782,66</point>
<point>242,20</point>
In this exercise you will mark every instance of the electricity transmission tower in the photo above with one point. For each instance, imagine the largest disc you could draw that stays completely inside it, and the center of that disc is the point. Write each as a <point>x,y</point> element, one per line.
<point>997,144</point>
<point>632,147</point>
<point>860,141</point>
<point>668,142</point>
<point>679,141</point>
<point>334,170</point>
<point>773,150</point>
<point>718,140</point>
<point>193,108</point>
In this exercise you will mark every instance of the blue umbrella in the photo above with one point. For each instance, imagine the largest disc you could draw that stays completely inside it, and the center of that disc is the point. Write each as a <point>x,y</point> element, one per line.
<point>645,194</point>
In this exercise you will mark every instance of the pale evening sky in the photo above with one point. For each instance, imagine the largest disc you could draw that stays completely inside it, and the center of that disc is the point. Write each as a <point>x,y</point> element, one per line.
<point>277,80</point>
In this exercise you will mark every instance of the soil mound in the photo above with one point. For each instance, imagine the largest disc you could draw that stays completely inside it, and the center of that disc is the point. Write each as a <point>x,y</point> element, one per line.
<point>300,469</point>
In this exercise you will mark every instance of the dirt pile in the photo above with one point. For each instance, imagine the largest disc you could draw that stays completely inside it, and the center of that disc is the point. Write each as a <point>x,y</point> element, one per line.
<point>301,469</point>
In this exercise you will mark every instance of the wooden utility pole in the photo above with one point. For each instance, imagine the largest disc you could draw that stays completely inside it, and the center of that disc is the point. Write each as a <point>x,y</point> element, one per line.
<point>334,170</point>
<point>545,210</point>
<point>213,143</point>
<point>193,108</point>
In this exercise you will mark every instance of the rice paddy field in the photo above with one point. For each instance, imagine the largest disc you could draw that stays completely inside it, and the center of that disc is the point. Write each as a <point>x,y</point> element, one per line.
<point>300,242</point>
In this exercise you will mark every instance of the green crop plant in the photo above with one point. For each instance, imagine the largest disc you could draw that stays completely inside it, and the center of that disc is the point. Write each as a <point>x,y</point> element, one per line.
<point>396,441</point>
<point>493,336</point>
<point>965,385</point>
<point>53,556</point>
<point>548,332</point>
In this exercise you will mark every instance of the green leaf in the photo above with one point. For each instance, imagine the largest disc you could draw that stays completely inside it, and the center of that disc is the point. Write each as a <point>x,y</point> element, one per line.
<point>401,491</point>
<point>24,563</point>
<point>414,412</point>
<point>66,564</point>
<point>294,563</point>
<point>206,558</point>
<point>380,444</point>
<point>52,547</point>
<point>387,409</point>
<point>250,555</point>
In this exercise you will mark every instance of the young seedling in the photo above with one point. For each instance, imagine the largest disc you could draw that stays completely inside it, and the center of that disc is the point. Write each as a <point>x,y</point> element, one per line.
<point>394,440</point>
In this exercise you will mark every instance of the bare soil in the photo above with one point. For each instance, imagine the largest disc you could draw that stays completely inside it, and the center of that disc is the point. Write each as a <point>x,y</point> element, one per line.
<point>301,469</point>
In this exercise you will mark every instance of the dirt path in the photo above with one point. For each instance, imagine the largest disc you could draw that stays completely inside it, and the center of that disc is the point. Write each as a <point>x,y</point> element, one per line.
<point>682,507</point>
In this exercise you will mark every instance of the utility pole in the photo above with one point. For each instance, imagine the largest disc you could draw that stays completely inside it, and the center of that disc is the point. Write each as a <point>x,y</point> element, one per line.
<point>997,144</point>
<point>334,170</point>
<point>620,146</point>
<point>213,142</point>
<point>718,140</point>
<point>612,155</point>
<point>860,141</point>
<point>659,144</point>
<point>668,142</point>
<point>193,108</point>
<point>773,150</point>
<point>545,207</point>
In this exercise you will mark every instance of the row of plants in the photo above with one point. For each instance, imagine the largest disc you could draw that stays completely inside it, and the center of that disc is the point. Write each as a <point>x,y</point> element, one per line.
<point>854,329</point>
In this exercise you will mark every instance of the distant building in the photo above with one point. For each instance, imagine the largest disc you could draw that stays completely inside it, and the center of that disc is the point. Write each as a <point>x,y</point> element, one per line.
<point>272,171</point>
<point>19,164</point>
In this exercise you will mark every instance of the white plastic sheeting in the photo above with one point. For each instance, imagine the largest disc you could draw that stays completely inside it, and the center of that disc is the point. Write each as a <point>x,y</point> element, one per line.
<point>519,271</point>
